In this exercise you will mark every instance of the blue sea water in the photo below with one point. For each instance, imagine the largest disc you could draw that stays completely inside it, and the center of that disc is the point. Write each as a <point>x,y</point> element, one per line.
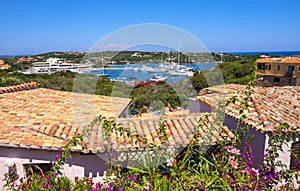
<point>132,75</point>
<point>270,53</point>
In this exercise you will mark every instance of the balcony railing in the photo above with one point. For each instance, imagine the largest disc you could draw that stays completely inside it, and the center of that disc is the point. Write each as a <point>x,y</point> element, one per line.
<point>289,74</point>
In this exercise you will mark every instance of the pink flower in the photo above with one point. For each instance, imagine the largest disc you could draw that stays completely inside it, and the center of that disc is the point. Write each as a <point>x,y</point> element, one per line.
<point>254,171</point>
<point>171,149</point>
<point>170,162</point>
<point>147,187</point>
<point>251,171</point>
<point>233,150</point>
<point>232,162</point>
<point>229,148</point>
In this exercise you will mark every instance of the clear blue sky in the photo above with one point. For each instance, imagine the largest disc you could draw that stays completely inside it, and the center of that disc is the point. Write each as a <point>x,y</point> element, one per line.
<point>29,27</point>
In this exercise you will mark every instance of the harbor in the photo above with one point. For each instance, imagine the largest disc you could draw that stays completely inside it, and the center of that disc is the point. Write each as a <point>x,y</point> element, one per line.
<point>152,72</point>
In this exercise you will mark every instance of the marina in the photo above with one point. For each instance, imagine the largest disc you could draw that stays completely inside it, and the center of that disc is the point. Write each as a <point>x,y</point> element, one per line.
<point>168,72</point>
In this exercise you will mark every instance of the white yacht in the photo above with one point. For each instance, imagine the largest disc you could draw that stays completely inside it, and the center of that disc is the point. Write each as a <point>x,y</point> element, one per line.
<point>158,78</point>
<point>55,65</point>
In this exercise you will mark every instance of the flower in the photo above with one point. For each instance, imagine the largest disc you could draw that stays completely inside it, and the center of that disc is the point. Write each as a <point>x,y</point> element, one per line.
<point>171,149</point>
<point>48,178</point>
<point>298,166</point>
<point>232,162</point>
<point>115,154</point>
<point>50,186</point>
<point>110,187</point>
<point>57,156</point>
<point>252,171</point>
<point>147,187</point>
<point>44,185</point>
<point>233,150</point>
<point>170,162</point>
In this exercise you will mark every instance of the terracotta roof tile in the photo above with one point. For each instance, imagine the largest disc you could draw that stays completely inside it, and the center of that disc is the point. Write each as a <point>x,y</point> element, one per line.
<point>269,106</point>
<point>26,86</point>
<point>279,60</point>
<point>50,115</point>
<point>179,131</point>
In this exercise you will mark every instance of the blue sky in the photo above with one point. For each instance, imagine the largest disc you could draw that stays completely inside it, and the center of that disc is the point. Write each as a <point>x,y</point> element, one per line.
<point>30,27</point>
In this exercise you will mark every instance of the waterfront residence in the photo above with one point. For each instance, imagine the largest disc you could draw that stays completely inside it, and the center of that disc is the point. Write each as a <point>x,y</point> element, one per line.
<point>268,107</point>
<point>279,71</point>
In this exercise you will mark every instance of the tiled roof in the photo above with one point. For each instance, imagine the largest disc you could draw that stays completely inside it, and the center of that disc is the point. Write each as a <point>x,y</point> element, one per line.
<point>179,130</point>
<point>268,107</point>
<point>264,60</point>
<point>26,138</point>
<point>21,87</point>
<point>51,114</point>
<point>291,60</point>
<point>279,60</point>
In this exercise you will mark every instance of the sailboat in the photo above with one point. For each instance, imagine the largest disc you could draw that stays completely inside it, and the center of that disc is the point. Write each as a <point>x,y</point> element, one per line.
<point>102,74</point>
<point>181,70</point>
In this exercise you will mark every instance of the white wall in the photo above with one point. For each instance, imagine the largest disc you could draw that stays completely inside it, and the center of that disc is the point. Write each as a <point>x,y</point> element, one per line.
<point>79,165</point>
<point>260,143</point>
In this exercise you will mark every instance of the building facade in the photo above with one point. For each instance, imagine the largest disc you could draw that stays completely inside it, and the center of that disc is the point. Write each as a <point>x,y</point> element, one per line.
<point>268,107</point>
<point>279,71</point>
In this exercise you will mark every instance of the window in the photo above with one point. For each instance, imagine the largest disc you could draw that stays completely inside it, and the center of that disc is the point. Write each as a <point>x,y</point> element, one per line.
<point>278,67</point>
<point>295,153</point>
<point>261,66</point>
<point>290,68</point>
<point>299,68</point>
<point>276,79</point>
<point>37,168</point>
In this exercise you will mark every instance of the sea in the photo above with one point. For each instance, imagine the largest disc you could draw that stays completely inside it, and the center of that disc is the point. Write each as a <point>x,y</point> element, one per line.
<point>269,53</point>
<point>132,75</point>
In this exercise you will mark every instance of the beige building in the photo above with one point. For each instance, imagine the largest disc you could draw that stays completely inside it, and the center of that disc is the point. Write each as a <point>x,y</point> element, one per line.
<point>279,71</point>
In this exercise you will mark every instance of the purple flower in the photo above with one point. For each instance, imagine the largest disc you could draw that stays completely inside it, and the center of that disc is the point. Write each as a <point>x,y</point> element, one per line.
<point>44,185</point>
<point>298,166</point>
<point>57,156</point>
<point>48,178</point>
<point>110,187</point>
<point>130,177</point>
<point>50,186</point>
<point>115,154</point>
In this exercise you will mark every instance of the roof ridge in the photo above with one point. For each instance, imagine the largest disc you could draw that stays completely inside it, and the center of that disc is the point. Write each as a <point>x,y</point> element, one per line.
<point>20,87</point>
